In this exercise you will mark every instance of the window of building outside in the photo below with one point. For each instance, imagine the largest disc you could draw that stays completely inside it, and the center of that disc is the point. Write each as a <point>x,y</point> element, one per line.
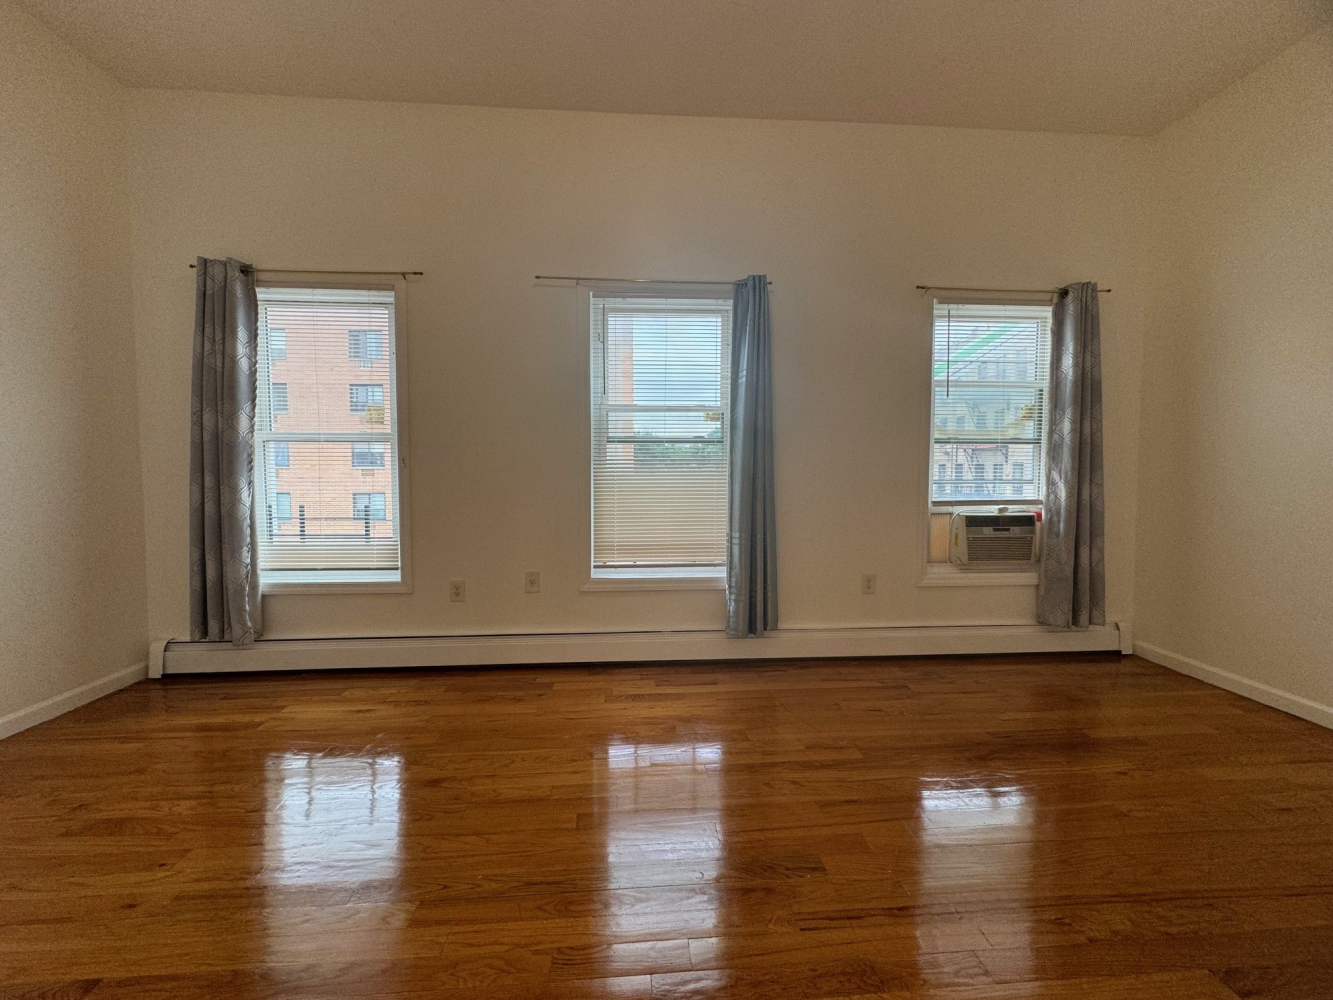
<point>365,347</point>
<point>367,456</point>
<point>368,506</point>
<point>362,397</point>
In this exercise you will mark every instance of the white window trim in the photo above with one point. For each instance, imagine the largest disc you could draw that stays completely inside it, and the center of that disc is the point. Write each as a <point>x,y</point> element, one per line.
<point>634,578</point>
<point>665,578</point>
<point>951,574</point>
<point>398,393</point>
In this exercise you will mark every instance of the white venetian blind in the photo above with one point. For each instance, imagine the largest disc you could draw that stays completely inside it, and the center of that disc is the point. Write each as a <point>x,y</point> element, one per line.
<point>991,369</point>
<point>659,432</point>
<point>326,444</point>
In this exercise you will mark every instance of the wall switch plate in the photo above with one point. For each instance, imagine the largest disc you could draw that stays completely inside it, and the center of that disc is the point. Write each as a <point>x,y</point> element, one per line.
<point>867,583</point>
<point>532,583</point>
<point>458,590</point>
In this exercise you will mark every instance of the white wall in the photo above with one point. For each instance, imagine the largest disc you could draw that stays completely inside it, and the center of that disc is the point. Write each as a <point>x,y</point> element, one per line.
<point>845,219</point>
<point>71,533</point>
<point>1217,345</point>
<point>1235,548</point>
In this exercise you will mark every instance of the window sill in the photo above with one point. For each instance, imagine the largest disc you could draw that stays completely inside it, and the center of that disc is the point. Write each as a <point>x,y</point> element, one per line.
<point>958,506</point>
<point>953,575</point>
<point>334,582</point>
<point>657,579</point>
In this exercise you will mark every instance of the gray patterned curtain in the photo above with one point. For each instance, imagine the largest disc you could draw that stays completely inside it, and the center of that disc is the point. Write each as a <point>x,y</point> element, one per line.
<point>1071,584</point>
<point>752,567</point>
<point>224,580</point>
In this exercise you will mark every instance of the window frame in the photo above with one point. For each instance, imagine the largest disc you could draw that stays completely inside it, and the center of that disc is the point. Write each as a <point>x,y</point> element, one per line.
<point>949,574</point>
<point>397,388</point>
<point>636,578</point>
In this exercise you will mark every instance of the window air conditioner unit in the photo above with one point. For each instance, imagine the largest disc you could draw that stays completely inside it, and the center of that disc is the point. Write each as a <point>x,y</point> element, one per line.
<point>994,536</point>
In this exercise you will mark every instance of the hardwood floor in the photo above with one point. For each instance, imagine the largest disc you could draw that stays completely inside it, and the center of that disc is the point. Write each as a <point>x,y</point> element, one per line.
<point>1090,827</point>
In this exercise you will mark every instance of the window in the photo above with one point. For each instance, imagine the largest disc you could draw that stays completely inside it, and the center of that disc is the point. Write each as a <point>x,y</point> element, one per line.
<point>367,456</point>
<point>366,399</point>
<point>365,345</point>
<point>659,437</point>
<point>330,521</point>
<point>991,367</point>
<point>368,506</point>
<point>277,345</point>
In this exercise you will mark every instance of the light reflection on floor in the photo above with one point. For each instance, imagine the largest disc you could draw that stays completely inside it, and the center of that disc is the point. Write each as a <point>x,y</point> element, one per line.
<point>331,818</point>
<point>977,805</point>
<point>332,829</point>
<point>661,807</point>
<point>973,836</point>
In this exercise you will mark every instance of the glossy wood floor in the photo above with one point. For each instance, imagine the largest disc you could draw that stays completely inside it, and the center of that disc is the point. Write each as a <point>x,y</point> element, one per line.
<point>1090,827</point>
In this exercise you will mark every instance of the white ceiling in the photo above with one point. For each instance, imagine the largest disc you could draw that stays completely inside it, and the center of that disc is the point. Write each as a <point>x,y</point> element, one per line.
<point>1114,66</point>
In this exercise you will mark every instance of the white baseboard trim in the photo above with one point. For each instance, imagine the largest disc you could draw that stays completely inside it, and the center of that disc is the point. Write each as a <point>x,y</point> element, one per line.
<point>157,650</point>
<point>26,718</point>
<point>611,647</point>
<point>1126,637</point>
<point>1292,704</point>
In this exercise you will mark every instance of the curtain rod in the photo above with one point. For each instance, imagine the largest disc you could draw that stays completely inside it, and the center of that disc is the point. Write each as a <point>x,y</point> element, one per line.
<point>629,281</point>
<point>1010,291</point>
<point>297,270</point>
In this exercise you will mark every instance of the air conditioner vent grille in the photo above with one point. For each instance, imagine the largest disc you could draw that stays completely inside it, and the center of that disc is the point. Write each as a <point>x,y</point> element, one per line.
<point>999,549</point>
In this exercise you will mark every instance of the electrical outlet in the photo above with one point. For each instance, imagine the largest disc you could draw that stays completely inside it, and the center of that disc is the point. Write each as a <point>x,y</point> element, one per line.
<point>867,583</point>
<point>458,590</point>
<point>532,583</point>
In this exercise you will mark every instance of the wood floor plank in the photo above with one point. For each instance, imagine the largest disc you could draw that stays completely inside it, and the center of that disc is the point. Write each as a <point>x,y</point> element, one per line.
<point>1170,986</point>
<point>1293,981</point>
<point>983,827</point>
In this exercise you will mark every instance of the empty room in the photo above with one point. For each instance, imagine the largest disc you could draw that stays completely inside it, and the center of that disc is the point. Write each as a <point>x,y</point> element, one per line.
<point>744,499</point>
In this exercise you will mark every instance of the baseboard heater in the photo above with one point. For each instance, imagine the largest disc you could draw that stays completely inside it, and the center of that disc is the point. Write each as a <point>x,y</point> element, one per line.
<point>173,657</point>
